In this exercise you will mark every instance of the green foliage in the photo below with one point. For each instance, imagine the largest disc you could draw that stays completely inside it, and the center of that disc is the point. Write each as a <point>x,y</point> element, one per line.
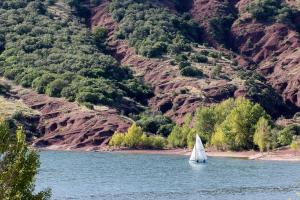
<point>285,136</point>
<point>191,72</point>
<point>264,9</point>
<point>205,122</point>
<point>117,140</point>
<point>259,91</point>
<point>61,57</point>
<point>230,124</point>
<point>40,83</point>
<point>18,167</point>
<point>80,9</point>
<point>220,25</point>
<point>295,145</point>
<point>182,136</point>
<point>55,87</point>
<point>176,139</point>
<point>151,30</point>
<point>4,89</point>
<point>263,137</point>
<point>184,64</point>
<point>239,125</point>
<point>154,122</point>
<point>199,58</point>
<point>273,10</point>
<point>218,139</point>
<point>100,36</point>
<point>135,138</point>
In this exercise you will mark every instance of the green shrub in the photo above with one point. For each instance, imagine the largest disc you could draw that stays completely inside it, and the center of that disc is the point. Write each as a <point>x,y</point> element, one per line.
<point>55,87</point>
<point>199,58</point>
<point>40,83</point>
<point>220,24</point>
<point>285,136</point>
<point>176,138</point>
<point>153,31</point>
<point>264,9</point>
<point>191,72</point>
<point>135,138</point>
<point>155,123</point>
<point>273,10</point>
<point>50,48</point>
<point>218,139</point>
<point>182,136</point>
<point>157,142</point>
<point>4,89</point>
<point>181,58</point>
<point>184,64</point>
<point>11,73</point>
<point>295,145</point>
<point>117,140</point>
<point>100,36</point>
<point>204,52</point>
<point>214,54</point>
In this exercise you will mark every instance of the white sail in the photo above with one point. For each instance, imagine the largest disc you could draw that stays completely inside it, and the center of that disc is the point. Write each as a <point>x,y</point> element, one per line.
<point>198,153</point>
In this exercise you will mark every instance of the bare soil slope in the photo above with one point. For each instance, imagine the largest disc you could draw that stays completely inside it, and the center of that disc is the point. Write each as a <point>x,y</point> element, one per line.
<point>166,80</point>
<point>273,47</point>
<point>65,125</point>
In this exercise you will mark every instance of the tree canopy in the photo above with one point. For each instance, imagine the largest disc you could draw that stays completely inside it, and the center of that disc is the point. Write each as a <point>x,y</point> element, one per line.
<point>18,166</point>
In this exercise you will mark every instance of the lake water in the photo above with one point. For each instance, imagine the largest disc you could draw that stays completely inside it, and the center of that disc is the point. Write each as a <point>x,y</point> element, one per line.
<point>116,176</point>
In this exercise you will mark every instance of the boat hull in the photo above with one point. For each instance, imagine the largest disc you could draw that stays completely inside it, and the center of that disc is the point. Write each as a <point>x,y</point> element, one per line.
<point>198,161</point>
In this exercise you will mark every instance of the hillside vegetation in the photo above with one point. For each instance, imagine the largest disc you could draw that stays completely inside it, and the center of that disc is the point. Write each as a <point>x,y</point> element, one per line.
<point>48,47</point>
<point>59,57</point>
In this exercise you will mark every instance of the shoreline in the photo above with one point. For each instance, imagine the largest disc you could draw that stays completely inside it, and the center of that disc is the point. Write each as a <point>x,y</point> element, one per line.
<point>276,155</point>
<point>282,154</point>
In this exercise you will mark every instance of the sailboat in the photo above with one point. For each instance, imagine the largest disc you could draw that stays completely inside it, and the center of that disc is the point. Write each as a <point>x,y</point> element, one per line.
<point>198,154</point>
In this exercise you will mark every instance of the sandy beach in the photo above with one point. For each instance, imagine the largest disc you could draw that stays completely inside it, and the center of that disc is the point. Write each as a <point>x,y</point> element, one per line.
<point>283,154</point>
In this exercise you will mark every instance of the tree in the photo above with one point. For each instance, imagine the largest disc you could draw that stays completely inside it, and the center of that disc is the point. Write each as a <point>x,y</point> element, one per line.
<point>205,122</point>
<point>183,136</point>
<point>191,137</point>
<point>100,36</point>
<point>285,136</point>
<point>295,145</point>
<point>18,167</point>
<point>55,87</point>
<point>176,139</point>
<point>218,139</point>
<point>263,135</point>
<point>239,125</point>
<point>133,136</point>
<point>117,140</point>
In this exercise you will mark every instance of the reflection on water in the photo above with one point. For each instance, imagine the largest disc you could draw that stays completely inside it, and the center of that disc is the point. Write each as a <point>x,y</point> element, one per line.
<point>197,166</point>
<point>87,176</point>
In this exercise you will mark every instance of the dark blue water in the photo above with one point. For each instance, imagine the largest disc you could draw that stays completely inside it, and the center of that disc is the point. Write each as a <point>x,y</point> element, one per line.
<point>115,176</point>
